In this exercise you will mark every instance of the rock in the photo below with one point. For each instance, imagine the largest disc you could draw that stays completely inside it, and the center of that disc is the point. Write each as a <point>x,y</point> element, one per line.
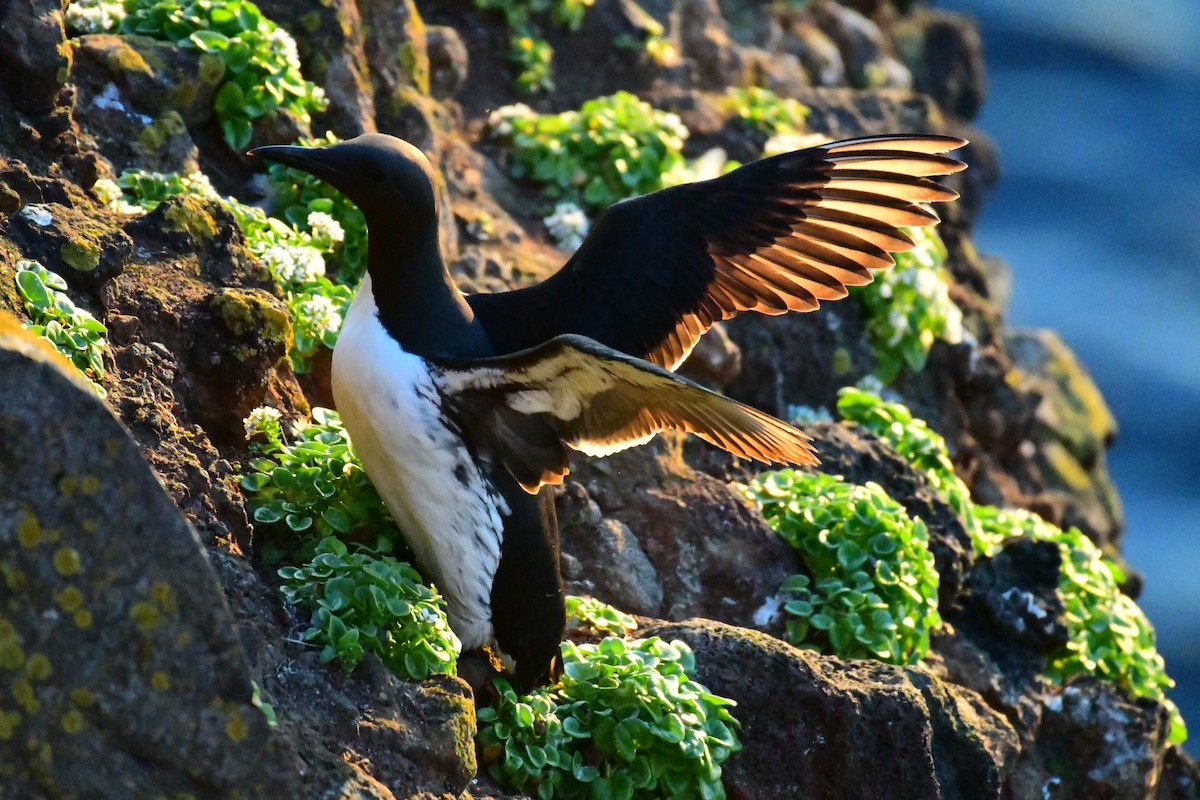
<point>817,53</point>
<point>1094,742</point>
<point>148,75</point>
<point>609,562</point>
<point>447,61</point>
<point>1072,428</point>
<point>36,62</point>
<point>715,361</point>
<point>199,339</point>
<point>850,729</point>
<point>944,52</point>
<point>704,41</point>
<point>330,39</point>
<point>713,553</point>
<point>864,49</point>
<point>125,667</point>
<point>85,248</point>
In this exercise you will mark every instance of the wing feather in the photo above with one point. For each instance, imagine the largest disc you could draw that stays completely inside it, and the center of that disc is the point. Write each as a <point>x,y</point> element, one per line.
<point>776,235</point>
<point>574,392</point>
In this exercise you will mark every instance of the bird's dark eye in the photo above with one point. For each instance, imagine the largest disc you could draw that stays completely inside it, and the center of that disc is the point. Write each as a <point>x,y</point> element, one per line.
<point>377,174</point>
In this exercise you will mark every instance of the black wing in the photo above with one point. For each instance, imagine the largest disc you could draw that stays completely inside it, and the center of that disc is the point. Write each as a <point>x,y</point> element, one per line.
<point>776,235</point>
<point>522,409</point>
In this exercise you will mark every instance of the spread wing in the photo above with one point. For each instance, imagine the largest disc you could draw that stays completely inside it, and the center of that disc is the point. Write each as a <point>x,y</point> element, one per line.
<point>773,236</point>
<point>526,408</point>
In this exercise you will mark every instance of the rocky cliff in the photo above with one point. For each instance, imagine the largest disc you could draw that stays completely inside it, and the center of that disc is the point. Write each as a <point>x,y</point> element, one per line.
<point>145,649</point>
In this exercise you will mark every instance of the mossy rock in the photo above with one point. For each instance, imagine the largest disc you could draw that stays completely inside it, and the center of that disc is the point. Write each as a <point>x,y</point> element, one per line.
<point>81,243</point>
<point>113,628</point>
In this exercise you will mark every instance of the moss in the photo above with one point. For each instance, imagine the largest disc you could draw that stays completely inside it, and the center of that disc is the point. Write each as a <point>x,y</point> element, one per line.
<point>253,312</point>
<point>310,21</point>
<point>81,254</point>
<point>120,57</point>
<point>212,69</point>
<point>191,217</point>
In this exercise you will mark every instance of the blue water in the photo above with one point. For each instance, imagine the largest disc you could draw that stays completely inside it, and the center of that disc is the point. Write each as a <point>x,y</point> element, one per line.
<point>1095,108</point>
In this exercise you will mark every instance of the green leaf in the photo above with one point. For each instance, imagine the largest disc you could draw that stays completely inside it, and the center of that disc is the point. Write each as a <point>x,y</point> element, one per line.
<point>30,285</point>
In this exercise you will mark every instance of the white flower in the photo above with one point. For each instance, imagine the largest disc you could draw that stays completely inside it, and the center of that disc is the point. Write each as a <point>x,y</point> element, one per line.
<point>283,47</point>
<point>38,214</point>
<point>109,193</point>
<point>261,419</point>
<point>324,226</point>
<point>321,314</point>
<point>93,16</point>
<point>202,185</point>
<point>294,263</point>
<point>567,225</point>
<point>501,120</point>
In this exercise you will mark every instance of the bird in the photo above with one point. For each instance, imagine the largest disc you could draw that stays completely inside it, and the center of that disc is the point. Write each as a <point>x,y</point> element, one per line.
<point>463,408</point>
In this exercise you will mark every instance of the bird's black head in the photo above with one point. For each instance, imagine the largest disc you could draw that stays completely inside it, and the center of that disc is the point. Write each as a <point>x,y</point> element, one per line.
<point>388,178</point>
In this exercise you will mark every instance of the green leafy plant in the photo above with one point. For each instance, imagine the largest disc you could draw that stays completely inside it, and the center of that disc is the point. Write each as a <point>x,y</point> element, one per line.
<point>873,590</point>
<point>73,331</point>
<point>528,51</point>
<point>624,721</point>
<point>907,307</point>
<point>611,148</point>
<point>761,110</point>
<point>312,486</point>
<point>297,196</point>
<point>920,446</point>
<point>588,612</point>
<point>365,601</point>
<point>295,258</point>
<point>254,59</point>
<point>1110,637</point>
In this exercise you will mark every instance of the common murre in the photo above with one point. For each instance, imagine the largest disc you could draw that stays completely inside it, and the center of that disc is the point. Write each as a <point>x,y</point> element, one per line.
<point>462,408</point>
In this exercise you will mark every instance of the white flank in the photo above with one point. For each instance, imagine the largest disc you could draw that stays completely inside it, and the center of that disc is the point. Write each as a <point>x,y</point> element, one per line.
<point>449,513</point>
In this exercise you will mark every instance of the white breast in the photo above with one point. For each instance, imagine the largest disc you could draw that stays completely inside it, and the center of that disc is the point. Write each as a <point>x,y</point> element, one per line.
<point>448,512</point>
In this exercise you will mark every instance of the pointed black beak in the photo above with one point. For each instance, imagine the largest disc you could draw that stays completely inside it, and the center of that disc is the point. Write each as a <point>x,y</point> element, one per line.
<point>313,160</point>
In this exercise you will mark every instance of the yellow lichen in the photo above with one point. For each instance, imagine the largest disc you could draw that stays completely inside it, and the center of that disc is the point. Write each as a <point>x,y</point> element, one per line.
<point>14,579</point>
<point>29,529</point>
<point>164,597</point>
<point>236,728</point>
<point>90,525</point>
<point>67,560</point>
<point>160,681</point>
<point>81,696</point>
<point>82,618</point>
<point>72,721</point>
<point>145,615</point>
<point>9,720</point>
<point>12,655</point>
<point>90,484</point>
<point>22,692</point>
<point>70,599</point>
<point>68,485</point>
<point>38,667</point>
